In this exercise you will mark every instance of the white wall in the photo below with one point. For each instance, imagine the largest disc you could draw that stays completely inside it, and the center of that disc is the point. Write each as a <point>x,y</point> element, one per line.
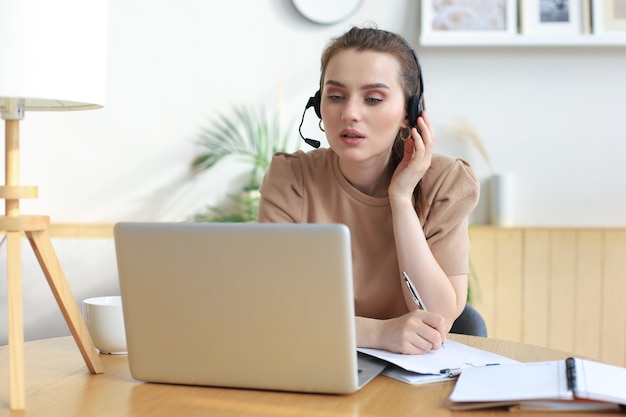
<point>552,116</point>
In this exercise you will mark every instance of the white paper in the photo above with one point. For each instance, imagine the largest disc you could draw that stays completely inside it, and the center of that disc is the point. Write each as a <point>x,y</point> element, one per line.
<point>528,381</point>
<point>541,386</point>
<point>455,355</point>
<point>600,381</point>
<point>412,377</point>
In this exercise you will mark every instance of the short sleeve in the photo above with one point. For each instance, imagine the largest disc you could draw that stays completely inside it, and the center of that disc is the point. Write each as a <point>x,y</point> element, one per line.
<point>448,193</point>
<point>281,191</point>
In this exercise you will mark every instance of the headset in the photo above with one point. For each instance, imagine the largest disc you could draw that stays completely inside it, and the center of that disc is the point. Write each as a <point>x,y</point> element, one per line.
<point>415,104</point>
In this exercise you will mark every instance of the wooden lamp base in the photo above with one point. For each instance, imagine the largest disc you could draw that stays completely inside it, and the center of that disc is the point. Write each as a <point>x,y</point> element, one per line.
<point>36,230</point>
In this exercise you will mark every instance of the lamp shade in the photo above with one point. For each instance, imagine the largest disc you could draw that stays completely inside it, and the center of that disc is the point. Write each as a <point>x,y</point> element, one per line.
<point>53,53</point>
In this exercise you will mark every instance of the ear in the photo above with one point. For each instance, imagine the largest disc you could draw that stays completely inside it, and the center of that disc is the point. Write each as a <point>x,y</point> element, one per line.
<point>405,122</point>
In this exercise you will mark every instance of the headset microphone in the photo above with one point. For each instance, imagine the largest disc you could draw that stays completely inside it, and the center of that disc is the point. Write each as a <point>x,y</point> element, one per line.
<point>313,102</point>
<point>313,142</point>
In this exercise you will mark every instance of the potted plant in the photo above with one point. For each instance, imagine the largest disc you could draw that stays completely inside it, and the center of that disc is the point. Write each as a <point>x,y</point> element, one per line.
<point>250,134</point>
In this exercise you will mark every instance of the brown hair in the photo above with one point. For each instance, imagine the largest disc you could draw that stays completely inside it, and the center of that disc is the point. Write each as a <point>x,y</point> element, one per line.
<point>373,39</point>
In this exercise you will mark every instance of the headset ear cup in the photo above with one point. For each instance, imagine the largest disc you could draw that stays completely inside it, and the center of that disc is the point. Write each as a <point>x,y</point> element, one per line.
<point>413,110</point>
<point>317,104</point>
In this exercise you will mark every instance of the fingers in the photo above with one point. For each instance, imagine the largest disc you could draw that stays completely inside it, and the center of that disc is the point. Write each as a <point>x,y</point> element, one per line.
<point>416,160</point>
<point>410,146</point>
<point>423,142</point>
<point>418,332</point>
<point>438,324</point>
<point>418,142</point>
<point>425,139</point>
<point>418,346</point>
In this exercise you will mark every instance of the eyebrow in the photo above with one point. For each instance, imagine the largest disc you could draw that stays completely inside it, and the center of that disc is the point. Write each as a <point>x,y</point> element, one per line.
<point>364,87</point>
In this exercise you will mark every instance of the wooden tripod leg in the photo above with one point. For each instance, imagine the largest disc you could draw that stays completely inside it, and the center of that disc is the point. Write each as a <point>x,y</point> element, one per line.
<point>16,322</point>
<point>44,251</point>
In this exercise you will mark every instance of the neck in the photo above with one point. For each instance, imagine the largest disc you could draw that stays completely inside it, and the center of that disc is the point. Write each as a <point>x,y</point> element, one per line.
<point>370,177</point>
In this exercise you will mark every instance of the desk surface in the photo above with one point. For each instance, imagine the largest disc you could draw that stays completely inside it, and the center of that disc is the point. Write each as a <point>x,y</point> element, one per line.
<point>59,384</point>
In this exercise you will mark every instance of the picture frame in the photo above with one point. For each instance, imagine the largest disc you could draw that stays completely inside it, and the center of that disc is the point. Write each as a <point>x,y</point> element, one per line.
<point>471,18</point>
<point>551,17</point>
<point>609,17</point>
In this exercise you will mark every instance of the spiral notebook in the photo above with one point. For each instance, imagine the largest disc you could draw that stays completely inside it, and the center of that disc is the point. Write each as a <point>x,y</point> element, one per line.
<point>567,385</point>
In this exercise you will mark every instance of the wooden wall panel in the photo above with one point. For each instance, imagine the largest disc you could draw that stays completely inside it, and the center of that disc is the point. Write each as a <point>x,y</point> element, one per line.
<point>562,298</point>
<point>588,281</point>
<point>558,287</point>
<point>536,292</point>
<point>613,326</point>
<point>508,288</point>
<point>483,254</point>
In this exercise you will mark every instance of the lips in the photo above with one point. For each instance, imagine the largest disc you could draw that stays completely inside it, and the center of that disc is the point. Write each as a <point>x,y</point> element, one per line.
<point>351,134</point>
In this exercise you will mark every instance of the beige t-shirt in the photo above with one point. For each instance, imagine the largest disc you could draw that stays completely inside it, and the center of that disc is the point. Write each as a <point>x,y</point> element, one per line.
<point>309,188</point>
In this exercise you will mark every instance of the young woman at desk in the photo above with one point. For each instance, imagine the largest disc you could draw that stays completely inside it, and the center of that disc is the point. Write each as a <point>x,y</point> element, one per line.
<point>407,209</point>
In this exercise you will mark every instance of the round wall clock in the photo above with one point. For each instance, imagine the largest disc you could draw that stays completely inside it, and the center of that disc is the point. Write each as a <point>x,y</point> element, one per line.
<point>326,12</point>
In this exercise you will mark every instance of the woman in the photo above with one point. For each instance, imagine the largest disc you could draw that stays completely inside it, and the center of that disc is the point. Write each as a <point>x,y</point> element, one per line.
<point>407,209</point>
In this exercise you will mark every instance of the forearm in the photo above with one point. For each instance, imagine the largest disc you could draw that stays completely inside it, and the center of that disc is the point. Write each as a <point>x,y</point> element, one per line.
<point>417,260</point>
<point>367,332</point>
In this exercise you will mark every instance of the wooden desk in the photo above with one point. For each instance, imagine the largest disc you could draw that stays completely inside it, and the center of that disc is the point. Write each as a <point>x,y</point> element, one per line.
<point>59,384</point>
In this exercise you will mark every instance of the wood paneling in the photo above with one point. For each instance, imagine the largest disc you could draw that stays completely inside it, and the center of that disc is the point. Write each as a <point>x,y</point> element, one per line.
<point>556,287</point>
<point>81,231</point>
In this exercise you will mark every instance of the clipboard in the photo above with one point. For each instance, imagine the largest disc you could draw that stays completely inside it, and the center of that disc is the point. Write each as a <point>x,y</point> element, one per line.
<point>437,365</point>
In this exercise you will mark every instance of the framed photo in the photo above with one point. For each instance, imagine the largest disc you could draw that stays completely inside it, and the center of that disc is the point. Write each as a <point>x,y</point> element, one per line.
<point>551,17</point>
<point>609,17</point>
<point>469,18</point>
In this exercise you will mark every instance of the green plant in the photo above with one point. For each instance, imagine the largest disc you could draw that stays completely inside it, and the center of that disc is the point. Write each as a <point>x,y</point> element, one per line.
<point>473,286</point>
<point>243,208</point>
<point>248,133</point>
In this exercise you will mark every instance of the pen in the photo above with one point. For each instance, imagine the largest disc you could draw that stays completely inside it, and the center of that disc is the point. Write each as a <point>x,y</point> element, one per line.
<point>454,372</point>
<point>415,295</point>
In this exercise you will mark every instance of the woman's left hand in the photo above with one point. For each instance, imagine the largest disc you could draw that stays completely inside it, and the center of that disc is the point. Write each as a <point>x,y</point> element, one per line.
<point>418,151</point>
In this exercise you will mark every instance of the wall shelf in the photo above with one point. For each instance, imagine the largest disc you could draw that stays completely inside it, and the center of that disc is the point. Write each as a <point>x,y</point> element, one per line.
<point>468,40</point>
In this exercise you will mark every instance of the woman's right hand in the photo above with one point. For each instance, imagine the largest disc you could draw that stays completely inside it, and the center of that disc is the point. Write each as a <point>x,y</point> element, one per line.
<point>418,152</point>
<point>414,333</point>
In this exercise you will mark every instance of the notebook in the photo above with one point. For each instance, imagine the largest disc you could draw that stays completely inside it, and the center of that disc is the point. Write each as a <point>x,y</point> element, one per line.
<point>566,385</point>
<point>258,306</point>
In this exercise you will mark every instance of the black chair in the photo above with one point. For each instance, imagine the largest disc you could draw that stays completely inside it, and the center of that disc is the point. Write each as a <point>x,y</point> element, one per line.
<point>470,322</point>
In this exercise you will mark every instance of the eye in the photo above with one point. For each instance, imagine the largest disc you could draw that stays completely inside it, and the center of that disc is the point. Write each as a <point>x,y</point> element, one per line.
<point>335,97</point>
<point>373,100</point>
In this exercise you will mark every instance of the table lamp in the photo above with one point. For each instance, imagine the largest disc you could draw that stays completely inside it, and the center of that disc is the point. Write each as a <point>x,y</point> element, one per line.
<point>52,57</point>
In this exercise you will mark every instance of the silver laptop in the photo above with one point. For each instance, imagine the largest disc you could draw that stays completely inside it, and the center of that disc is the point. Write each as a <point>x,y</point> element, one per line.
<point>260,306</point>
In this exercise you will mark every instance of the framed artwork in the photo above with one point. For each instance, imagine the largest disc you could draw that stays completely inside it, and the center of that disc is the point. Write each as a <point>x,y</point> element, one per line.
<point>469,17</point>
<point>551,17</point>
<point>609,17</point>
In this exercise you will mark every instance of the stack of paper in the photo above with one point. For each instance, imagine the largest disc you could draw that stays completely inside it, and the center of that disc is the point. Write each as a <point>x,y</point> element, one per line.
<point>436,365</point>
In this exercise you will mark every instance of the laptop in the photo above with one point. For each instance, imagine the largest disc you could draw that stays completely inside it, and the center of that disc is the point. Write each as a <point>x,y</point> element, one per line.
<point>257,306</point>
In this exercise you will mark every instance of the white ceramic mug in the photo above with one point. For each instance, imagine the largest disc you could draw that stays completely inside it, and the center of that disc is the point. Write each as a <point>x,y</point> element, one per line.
<point>105,321</point>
